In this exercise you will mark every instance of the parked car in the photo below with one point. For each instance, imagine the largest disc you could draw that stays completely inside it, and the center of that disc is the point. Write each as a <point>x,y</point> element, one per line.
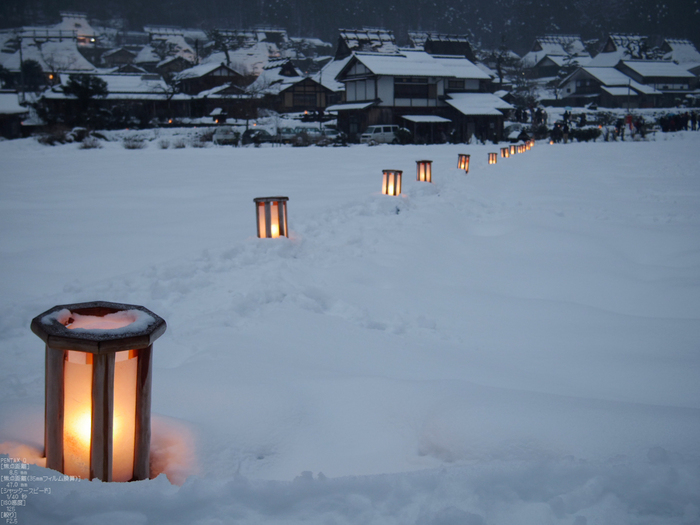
<point>256,136</point>
<point>225,135</point>
<point>384,134</point>
<point>286,135</point>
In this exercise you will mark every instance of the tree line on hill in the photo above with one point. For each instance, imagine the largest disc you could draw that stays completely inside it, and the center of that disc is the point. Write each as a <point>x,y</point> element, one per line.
<point>488,23</point>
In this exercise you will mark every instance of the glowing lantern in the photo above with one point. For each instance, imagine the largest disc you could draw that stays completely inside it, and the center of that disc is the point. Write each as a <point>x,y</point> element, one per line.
<point>505,153</point>
<point>551,141</point>
<point>271,213</point>
<point>493,158</point>
<point>513,151</point>
<point>424,170</point>
<point>463,162</point>
<point>98,388</point>
<point>391,182</point>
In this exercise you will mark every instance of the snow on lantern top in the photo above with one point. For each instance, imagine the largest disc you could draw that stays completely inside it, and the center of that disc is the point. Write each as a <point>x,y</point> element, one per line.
<point>98,327</point>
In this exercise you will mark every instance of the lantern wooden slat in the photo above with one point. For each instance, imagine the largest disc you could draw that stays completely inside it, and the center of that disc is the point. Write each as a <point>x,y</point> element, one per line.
<point>142,445</point>
<point>271,217</point>
<point>391,182</point>
<point>424,170</point>
<point>98,393</point>
<point>493,158</point>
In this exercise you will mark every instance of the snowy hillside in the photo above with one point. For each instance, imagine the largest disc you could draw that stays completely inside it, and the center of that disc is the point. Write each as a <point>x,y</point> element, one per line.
<point>515,345</point>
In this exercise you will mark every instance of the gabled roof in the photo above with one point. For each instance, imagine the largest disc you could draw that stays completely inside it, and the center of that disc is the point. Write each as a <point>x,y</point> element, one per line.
<point>327,76</point>
<point>118,50</point>
<point>657,68</point>
<point>277,76</point>
<point>681,51</point>
<point>203,70</point>
<point>416,64</point>
<point>609,77</point>
<point>367,40</point>
<point>555,46</point>
<point>9,105</point>
<point>137,87</point>
<point>53,55</point>
<point>478,104</point>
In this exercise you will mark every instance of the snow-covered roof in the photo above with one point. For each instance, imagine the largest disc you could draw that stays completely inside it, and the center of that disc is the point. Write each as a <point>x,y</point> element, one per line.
<point>54,55</point>
<point>478,104</point>
<point>657,68</point>
<point>419,64</point>
<point>9,105</point>
<point>174,45</point>
<point>77,22</point>
<point>200,71</point>
<point>350,106</point>
<point>376,40</point>
<point>419,38</point>
<point>327,76</point>
<point>486,69</point>
<point>122,86</point>
<point>118,50</point>
<point>425,118</point>
<point>554,46</point>
<point>620,91</point>
<point>681,51</point>
<point>611,77</point>
<point>275,78</point>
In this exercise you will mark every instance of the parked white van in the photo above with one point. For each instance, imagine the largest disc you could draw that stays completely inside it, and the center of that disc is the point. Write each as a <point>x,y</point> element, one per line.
<point>385,134</point>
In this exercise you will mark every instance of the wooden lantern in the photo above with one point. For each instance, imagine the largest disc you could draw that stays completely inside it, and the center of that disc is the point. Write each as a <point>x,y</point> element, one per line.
<point>493,158</point>
<point>271,213</point>
<point>98,388</point>
<point>391,182</point>
<point>513,150</point>
<point>463,162</point>
<point>424,170</point>
<point>505,153</point>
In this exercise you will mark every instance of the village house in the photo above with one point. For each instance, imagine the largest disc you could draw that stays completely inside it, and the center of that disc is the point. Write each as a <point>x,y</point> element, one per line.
<point>281,87</point>
<point>392,88</point>
<point>550,53</point>
<point>607,87</point>
<point>205,77</point>
<point>674,82</point>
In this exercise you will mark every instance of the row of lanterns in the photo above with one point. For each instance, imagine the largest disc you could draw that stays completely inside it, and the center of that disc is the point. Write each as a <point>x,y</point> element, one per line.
<point>271,212</point>
<point>99,364</point>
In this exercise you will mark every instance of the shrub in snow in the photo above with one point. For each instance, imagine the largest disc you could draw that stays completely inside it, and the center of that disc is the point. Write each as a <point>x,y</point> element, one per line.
<point>55,135</point>
<point>90,143</point>
<point>585,134</point>
<point>133,143</point>
<point>179,143</point>
<point>163,143</point>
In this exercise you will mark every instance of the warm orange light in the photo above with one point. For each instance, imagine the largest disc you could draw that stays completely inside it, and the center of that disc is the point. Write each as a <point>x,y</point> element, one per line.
<point>493,158</point>
<point>391,182</point>
<point>463,162</point>
<point>424,170</point>
<point>271,217</point>
<point>513,151</point>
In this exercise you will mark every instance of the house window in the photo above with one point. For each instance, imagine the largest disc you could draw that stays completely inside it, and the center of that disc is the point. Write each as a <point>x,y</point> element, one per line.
<point>307,100</point>
<point>410,87</point>
<point>455,84</point>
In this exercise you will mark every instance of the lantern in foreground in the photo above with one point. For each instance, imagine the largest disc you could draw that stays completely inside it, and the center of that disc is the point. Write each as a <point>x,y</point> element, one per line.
<point>391,182</point>
<point>424,170</point>
<point>505,153</point>
<point>271,213</point>
<point>493,158</point>
<point>513,151</point>
<point>463,162</point>
<point>98,388</point>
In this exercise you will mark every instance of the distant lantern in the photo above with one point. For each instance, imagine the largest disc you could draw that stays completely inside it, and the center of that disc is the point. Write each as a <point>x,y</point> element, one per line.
<point>505,153</point>
<point>551,142</point>
<point>98,388</point>
<point>391,182</point>
<point>493,158</point>
<point>271,213</point>
<point>463,162</point>
<point>424,170</point>
<point>513,151</point>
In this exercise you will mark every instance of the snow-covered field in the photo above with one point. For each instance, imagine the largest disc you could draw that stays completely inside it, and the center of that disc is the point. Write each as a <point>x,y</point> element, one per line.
<point>519,345</point>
